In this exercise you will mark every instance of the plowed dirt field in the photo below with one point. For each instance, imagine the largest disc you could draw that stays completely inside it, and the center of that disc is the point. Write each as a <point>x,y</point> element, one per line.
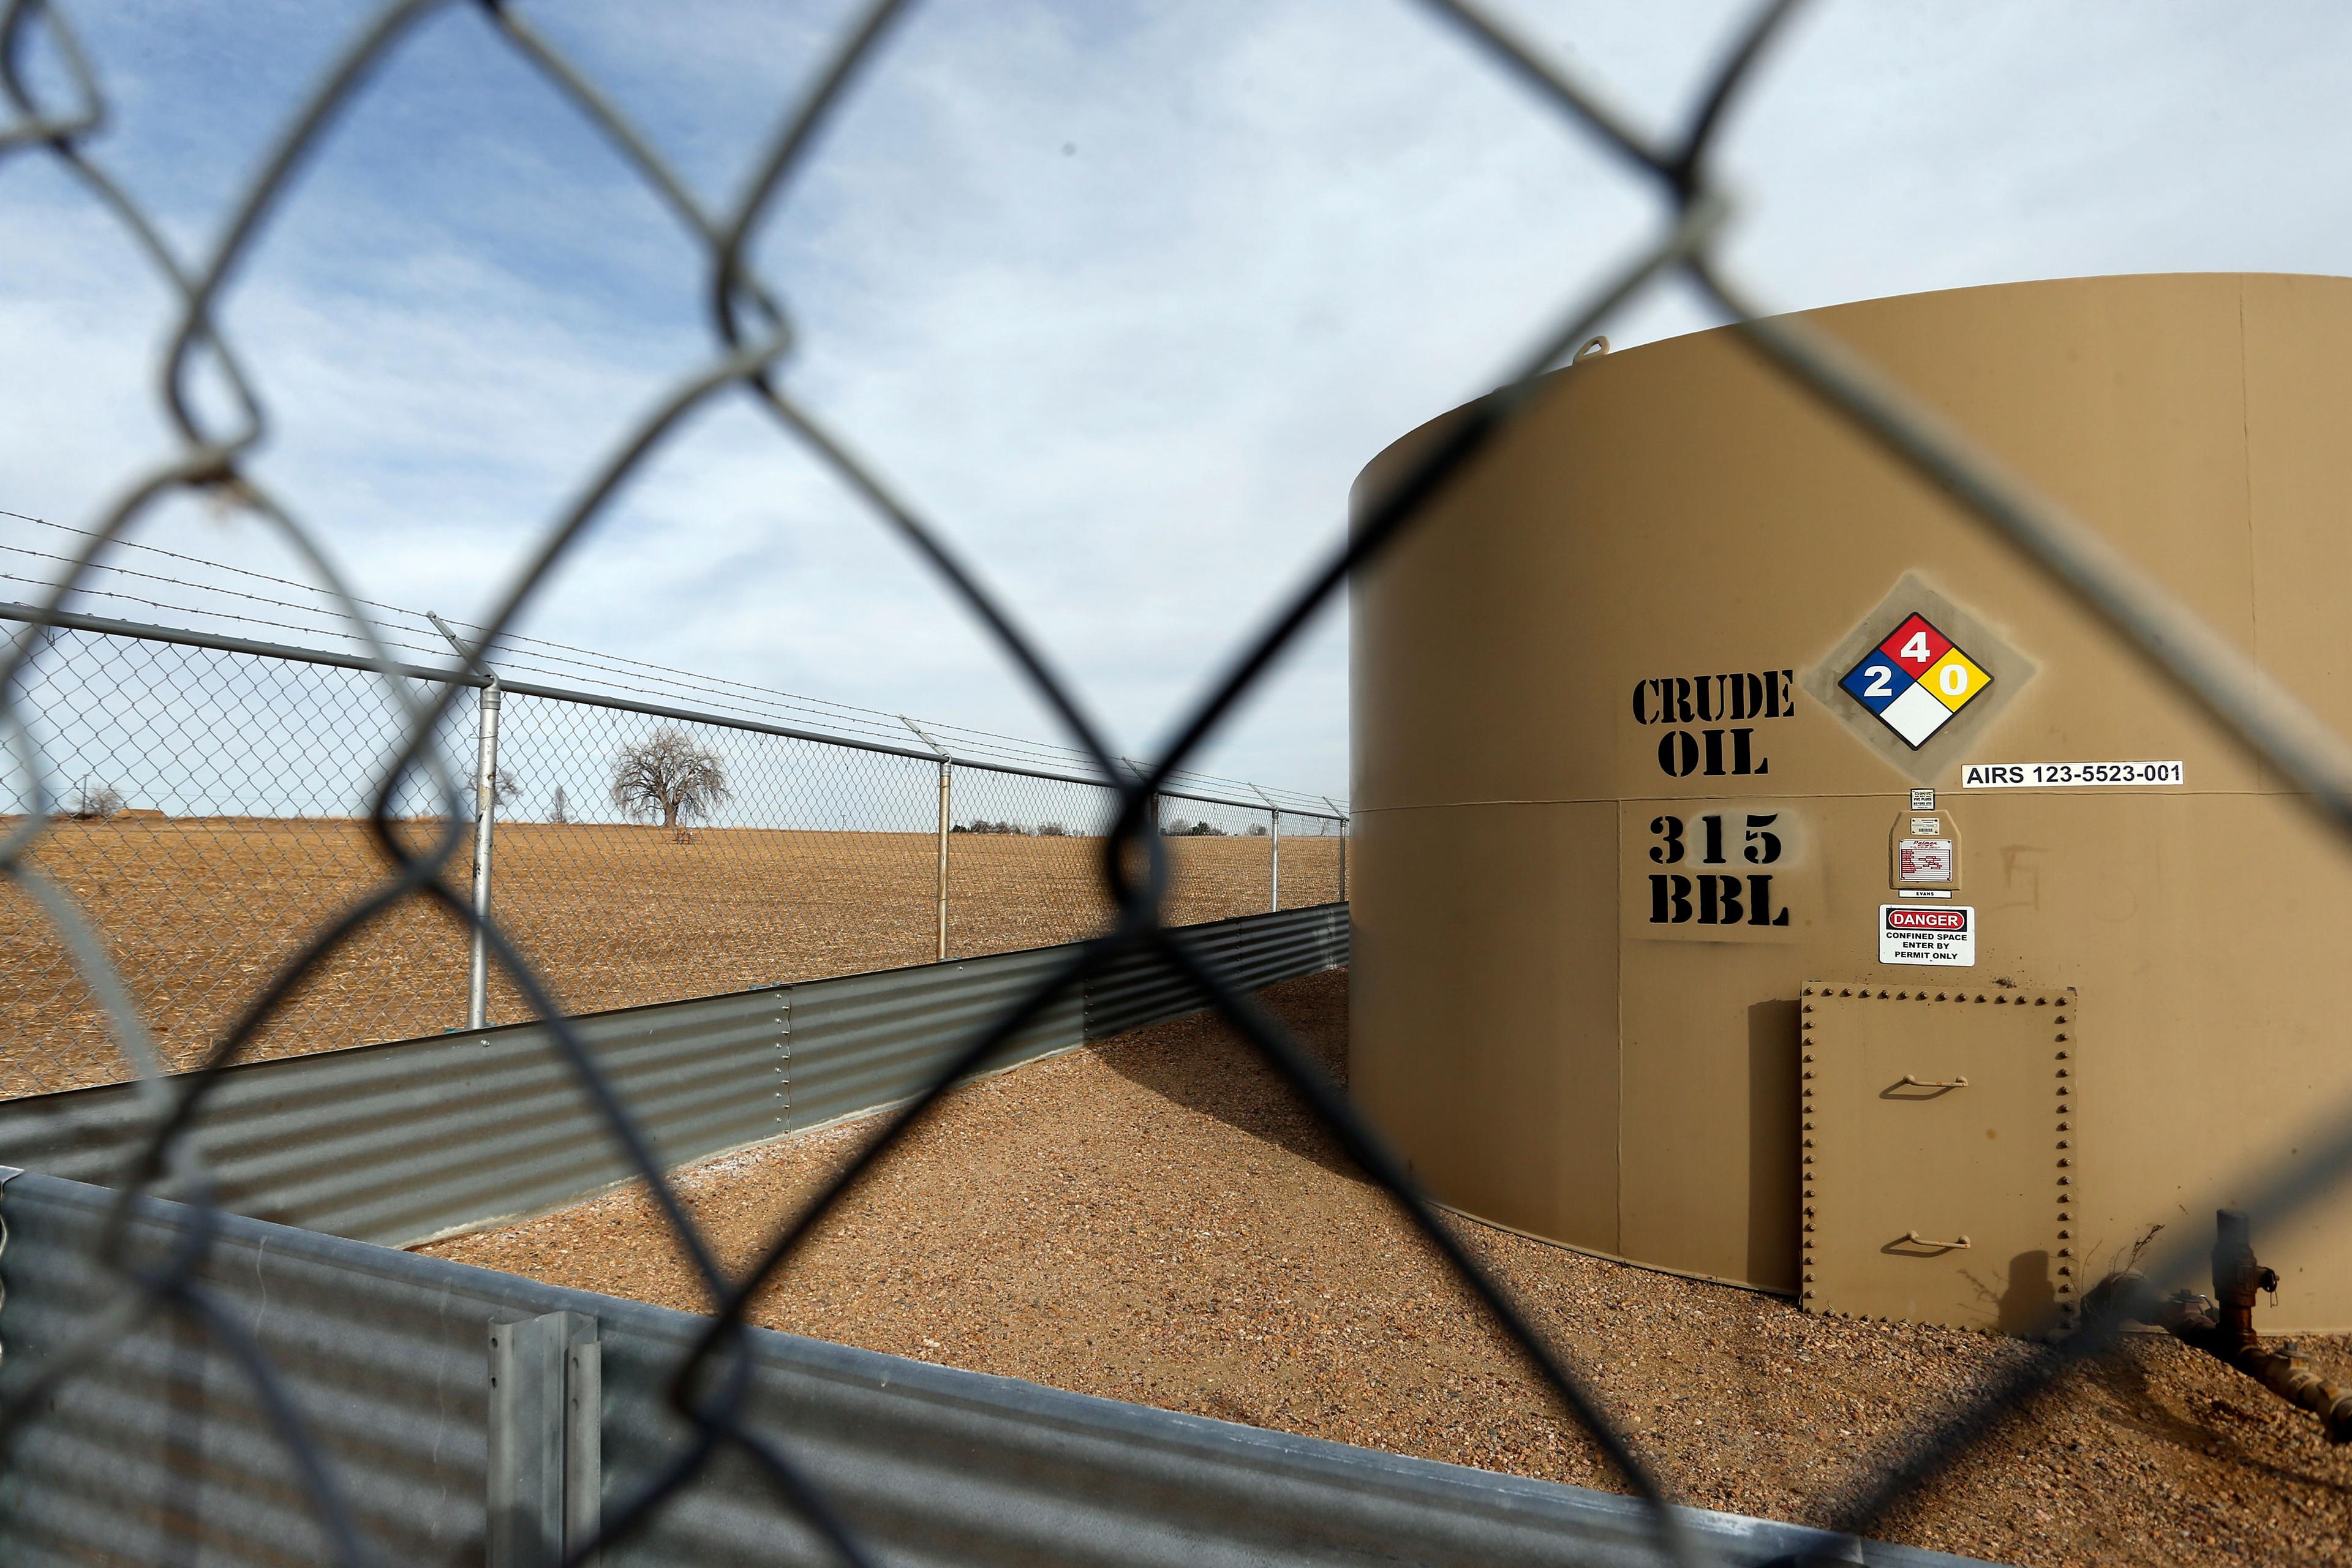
<point>197,913</point>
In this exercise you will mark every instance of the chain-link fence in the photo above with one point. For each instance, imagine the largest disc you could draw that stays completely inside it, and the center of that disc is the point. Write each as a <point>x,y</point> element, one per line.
<point>216,808</point>
<point>1142,883</point>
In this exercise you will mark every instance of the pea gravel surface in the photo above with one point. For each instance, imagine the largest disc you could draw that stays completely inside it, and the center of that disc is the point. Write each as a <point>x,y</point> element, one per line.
<point>1154,1219</point>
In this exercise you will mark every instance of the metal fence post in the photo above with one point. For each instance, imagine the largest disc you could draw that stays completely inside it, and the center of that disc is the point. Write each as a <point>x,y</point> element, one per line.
<point>1274,832</point>
<point>486,812</point>
<point>1152,804</point>
<point>1341,817</point>
<point>947,809</point>
<point>546,1440</point>
<point>947,813</point>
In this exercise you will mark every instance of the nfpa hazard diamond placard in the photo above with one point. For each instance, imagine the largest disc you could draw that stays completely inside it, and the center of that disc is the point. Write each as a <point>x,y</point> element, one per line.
<point>1916,680</point>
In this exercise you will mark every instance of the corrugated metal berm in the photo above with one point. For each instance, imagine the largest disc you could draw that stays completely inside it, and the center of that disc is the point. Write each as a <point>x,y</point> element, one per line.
<point>158,1451</point>
<point>405,1141</point>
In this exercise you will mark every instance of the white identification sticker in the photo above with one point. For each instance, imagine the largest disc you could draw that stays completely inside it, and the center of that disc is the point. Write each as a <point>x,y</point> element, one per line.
<point>2046,776</point>
<point>1923,860</point>
<point>1909,934</point>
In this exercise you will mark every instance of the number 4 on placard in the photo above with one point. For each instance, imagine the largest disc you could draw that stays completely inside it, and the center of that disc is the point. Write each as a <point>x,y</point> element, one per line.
<point>1916,648</point>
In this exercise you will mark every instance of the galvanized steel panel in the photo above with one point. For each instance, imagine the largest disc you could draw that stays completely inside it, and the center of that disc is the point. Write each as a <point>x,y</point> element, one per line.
<point>383,1353</point>
<point>400,1142</point>
<point>1253,951</point>
<point>869,1040</point>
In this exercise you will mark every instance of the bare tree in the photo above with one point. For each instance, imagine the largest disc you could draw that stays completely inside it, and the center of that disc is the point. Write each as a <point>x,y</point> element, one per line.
<point>560,811</point>
<point>668,775</point>
<point>504,790</point>
<point>101,802</point>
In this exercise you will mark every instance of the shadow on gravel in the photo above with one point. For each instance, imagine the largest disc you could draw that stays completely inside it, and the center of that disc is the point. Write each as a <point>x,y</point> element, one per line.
<point>2136,1401</point>
<point>1200,1063</point>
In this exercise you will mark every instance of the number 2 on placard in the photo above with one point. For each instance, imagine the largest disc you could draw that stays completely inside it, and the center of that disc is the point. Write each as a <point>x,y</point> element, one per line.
<point>1879,676</point>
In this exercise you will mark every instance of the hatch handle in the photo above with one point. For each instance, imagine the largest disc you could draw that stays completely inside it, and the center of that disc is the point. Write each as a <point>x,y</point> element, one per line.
<point>1910,1082</point>
<point>1915,1239</point>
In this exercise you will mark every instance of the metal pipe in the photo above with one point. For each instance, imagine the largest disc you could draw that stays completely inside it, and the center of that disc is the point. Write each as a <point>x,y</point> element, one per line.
<point>106,626</point>
<point>485,816</point>
<point>947,790</point>
<point>1341,818</point>
<point>1274,832</point>
<point>2222,1324</point>
<point>946,807</point>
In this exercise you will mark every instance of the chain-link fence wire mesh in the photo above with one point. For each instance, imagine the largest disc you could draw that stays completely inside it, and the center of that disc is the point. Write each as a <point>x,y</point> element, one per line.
<point>812,859</point>
<point>1311,851</point>
<point>1007,831</point>
<point>754,344</point>
<point>1214,845</point>
<point>214,809</point>
<point>212,806</point>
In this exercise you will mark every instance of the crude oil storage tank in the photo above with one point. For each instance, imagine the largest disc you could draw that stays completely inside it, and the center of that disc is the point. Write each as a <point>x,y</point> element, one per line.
<point>1762,874</point>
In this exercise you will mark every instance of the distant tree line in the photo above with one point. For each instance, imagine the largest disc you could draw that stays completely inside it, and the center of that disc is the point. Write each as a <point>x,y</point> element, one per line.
<point>1204,828</point>
<point>1042,830</point>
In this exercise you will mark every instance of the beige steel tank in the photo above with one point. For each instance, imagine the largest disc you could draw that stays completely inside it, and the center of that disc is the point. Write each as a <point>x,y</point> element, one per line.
<point>1639,710</point>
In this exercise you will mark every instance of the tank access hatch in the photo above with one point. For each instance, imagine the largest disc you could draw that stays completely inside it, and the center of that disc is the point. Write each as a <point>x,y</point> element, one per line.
<point>1937,1153</point>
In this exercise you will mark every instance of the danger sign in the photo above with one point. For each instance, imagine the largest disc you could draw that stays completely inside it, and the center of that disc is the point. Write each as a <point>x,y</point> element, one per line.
<point>1908,934</point>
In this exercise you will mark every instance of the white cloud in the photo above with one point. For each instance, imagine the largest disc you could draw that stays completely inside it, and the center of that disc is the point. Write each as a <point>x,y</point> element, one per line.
<point>1131,380</point>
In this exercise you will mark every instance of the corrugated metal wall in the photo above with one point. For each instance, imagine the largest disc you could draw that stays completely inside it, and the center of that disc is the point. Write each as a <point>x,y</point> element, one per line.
<point>384,1356</point>
<point>872,1040</point>
<point>1139,988</point>
<point>400,1143</point>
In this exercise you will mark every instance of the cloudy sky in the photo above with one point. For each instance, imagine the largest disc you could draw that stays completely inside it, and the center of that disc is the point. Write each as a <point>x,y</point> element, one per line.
<point>1122,295</point>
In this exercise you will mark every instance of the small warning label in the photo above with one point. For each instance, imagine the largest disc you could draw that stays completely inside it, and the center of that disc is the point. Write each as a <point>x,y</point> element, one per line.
<point>1908,934</point>
<point>1924,859</point>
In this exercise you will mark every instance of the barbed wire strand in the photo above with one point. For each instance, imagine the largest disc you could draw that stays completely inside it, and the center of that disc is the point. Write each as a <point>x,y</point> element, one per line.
<point>519,655</point>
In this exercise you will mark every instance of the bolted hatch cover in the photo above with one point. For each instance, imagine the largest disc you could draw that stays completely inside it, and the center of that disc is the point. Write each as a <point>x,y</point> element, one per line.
<point>1938,1148</point>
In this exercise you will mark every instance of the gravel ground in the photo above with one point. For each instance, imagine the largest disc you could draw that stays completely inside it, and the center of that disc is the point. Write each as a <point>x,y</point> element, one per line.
<point>1152,1220</point>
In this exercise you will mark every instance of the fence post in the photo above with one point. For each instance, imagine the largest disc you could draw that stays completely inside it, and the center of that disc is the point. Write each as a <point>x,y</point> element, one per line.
<point>546,1439</point>
<point>946,814</point>
<point>1151,803</point>
<point>486,812</point>
<point>947,808</point>
<point>1274,831</point>
<point>486,815</point>
<point>1340,817</point>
